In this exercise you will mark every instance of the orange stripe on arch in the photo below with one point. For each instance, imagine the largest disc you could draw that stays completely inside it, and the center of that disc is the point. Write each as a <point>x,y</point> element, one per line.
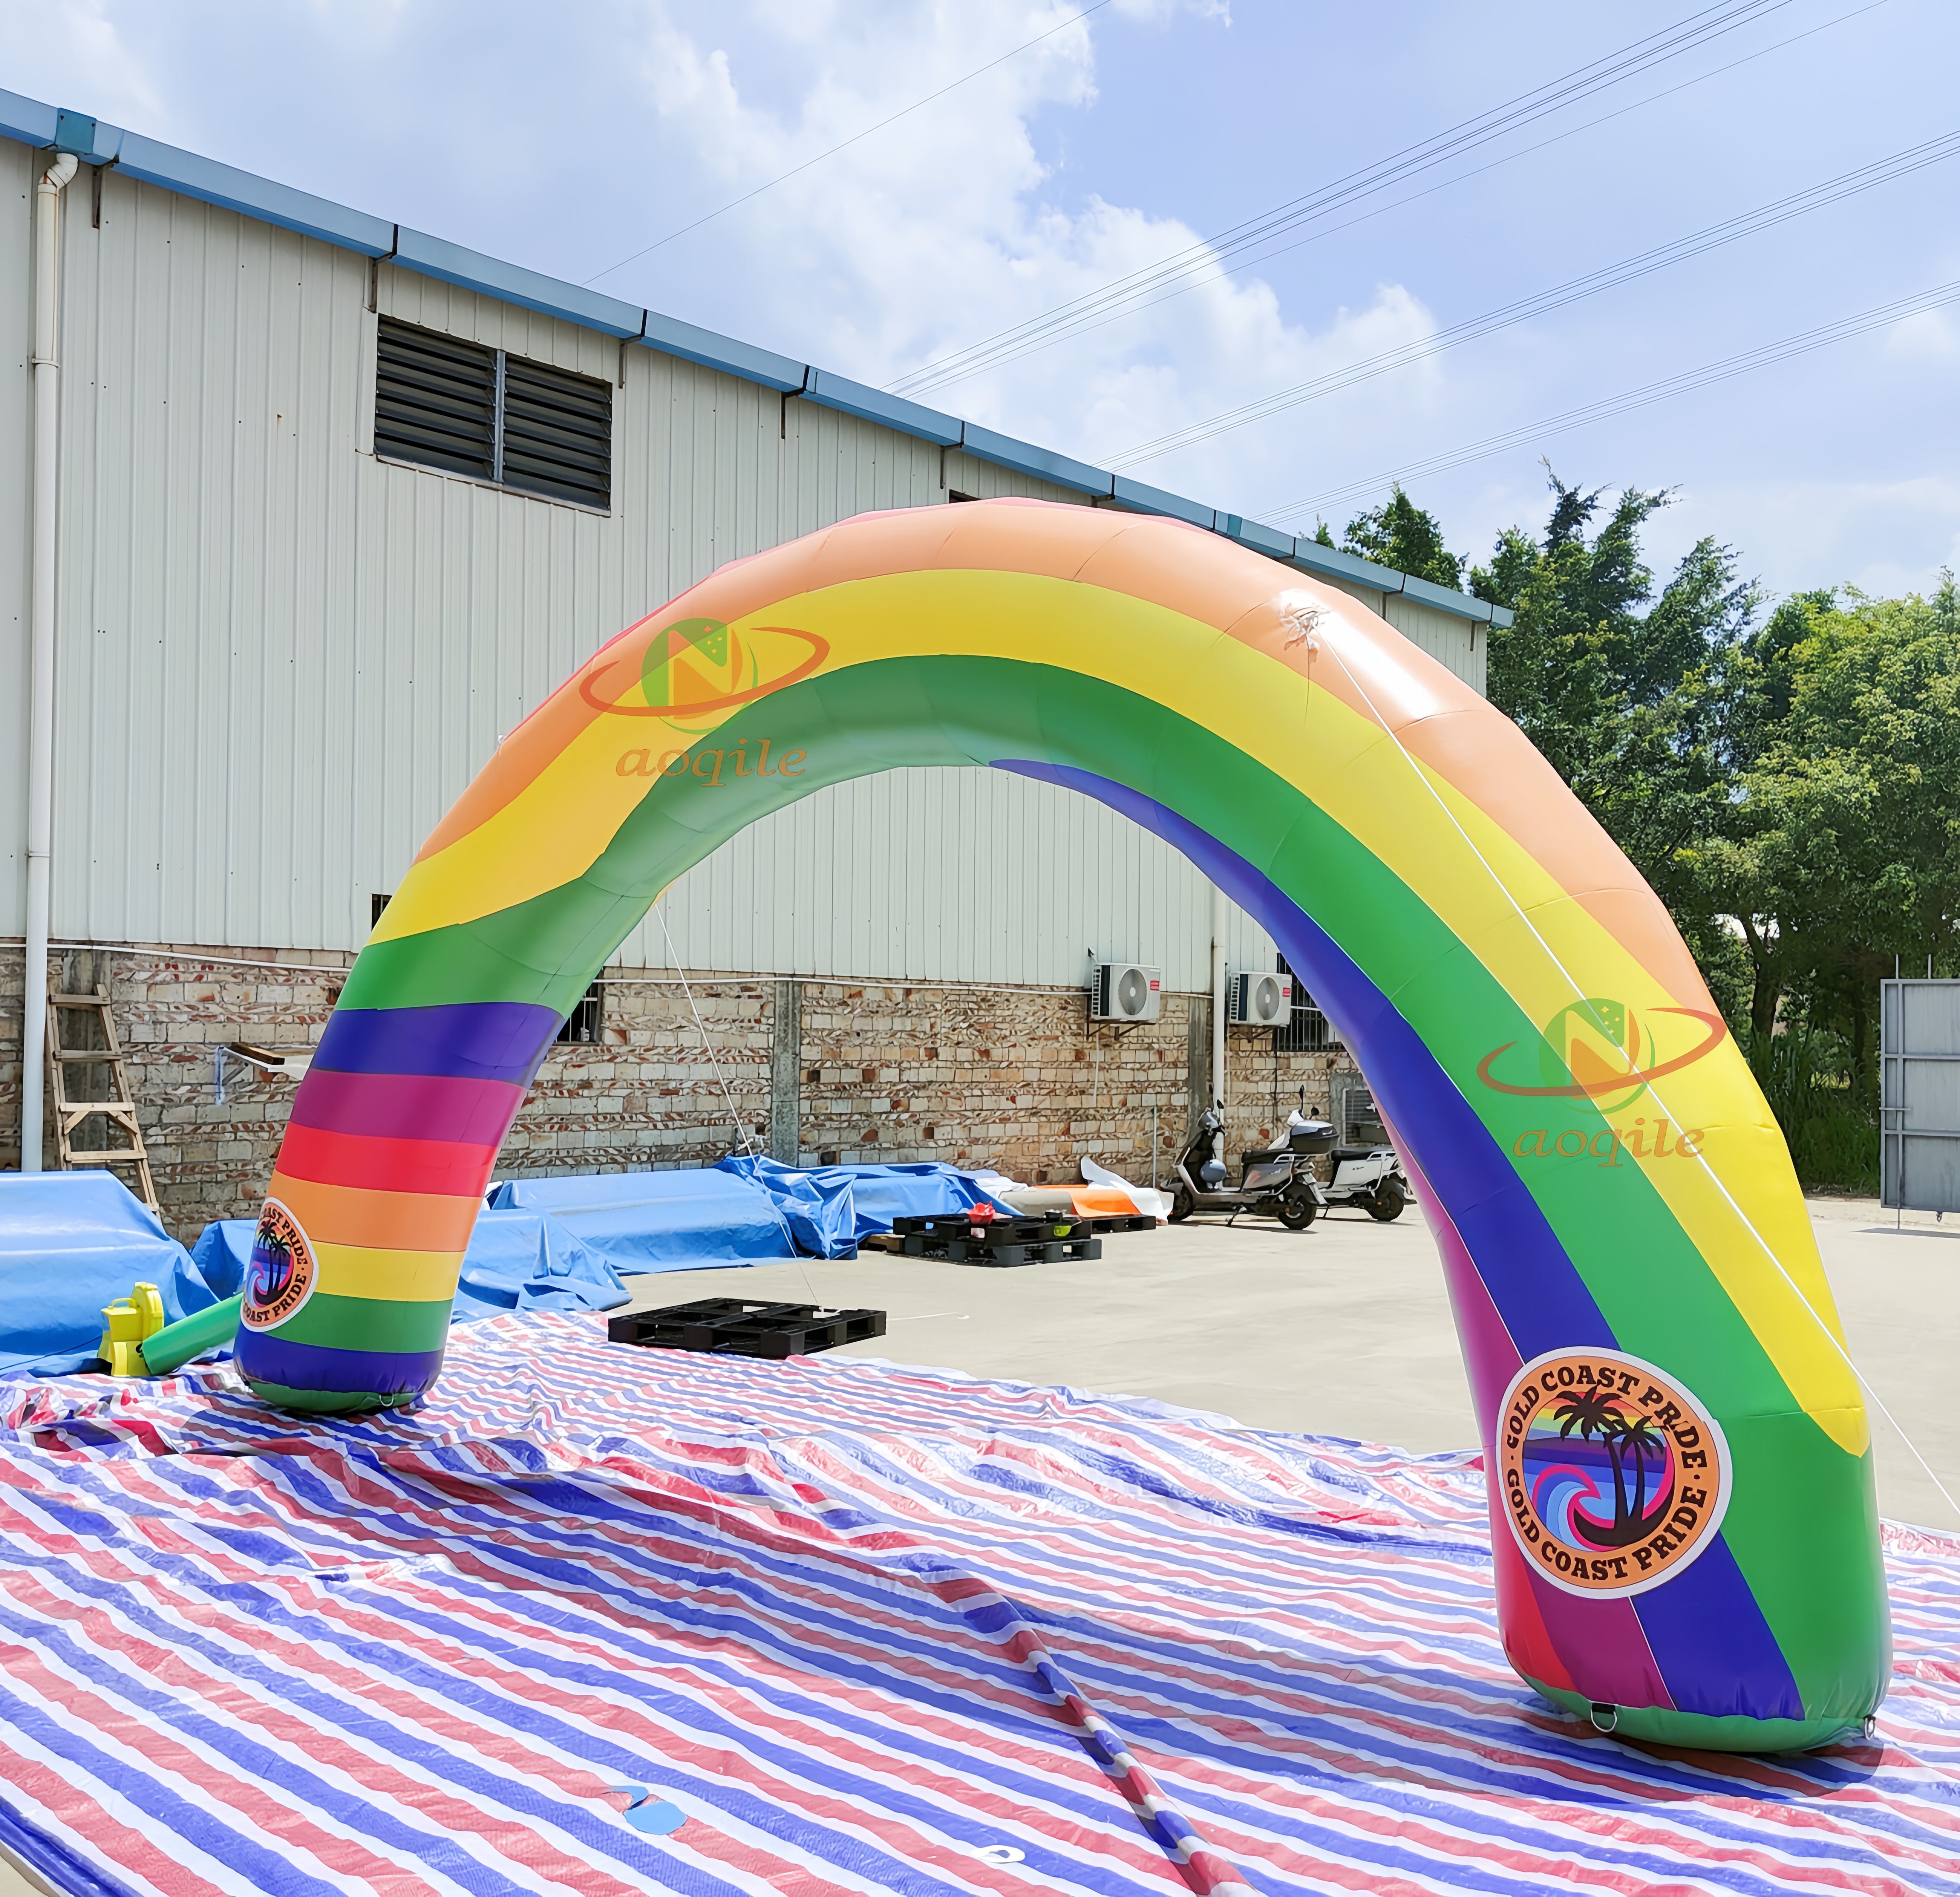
<point>1181,568</point>
<point>377,1221</point>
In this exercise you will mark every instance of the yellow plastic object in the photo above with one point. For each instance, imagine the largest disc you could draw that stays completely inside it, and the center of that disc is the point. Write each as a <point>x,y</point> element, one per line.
<point>131,1319</point>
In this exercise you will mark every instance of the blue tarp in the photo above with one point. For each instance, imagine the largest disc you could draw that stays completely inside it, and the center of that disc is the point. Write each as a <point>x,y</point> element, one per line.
<point>517,1261</point>
<point>746,1210</point>
<point>690,1219</point>
<point>855,1200</point>
<point>70,1244</point>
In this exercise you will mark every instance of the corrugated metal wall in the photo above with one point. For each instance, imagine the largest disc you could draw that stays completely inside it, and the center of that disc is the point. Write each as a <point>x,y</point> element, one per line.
<point>281,659</point>
<point>16,449</point>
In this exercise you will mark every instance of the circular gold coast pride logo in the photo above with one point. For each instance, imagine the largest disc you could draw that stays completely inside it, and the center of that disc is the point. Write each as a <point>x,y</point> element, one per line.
<point>283,1271</point>
<point>1614,1477</point>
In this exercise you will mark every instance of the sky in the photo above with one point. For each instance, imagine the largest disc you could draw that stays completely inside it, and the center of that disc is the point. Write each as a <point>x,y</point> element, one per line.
<point>579,141</point>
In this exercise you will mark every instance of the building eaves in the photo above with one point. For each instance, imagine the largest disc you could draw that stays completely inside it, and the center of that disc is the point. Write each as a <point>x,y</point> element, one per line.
<point>32,123</point>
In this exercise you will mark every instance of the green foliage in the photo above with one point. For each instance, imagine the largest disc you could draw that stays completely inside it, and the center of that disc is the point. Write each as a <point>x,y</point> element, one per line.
<point>1400,534</point>
<point>1832,1128</point>
<point>1791,789</point>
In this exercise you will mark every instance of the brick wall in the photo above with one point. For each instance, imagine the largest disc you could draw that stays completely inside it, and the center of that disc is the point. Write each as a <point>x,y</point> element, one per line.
<point>1015,1078</point>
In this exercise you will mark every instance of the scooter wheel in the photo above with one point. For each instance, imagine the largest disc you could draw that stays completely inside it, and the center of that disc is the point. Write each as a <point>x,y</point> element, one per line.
<point>1182,1207</point>
<point>1297,1211</point>
<point>1388,1202</point>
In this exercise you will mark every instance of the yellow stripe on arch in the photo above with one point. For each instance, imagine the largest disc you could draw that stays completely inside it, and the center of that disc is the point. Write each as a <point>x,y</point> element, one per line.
<point>392,1276</point>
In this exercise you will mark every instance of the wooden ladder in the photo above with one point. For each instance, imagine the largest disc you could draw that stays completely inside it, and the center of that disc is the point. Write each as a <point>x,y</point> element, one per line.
<point>116,1112</point>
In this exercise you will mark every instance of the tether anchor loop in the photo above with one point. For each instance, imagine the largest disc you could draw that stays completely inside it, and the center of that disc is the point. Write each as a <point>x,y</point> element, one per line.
<point>1605,1716</point>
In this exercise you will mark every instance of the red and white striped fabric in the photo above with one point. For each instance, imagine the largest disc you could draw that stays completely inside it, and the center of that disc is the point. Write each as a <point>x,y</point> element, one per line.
<point>597,1619</point>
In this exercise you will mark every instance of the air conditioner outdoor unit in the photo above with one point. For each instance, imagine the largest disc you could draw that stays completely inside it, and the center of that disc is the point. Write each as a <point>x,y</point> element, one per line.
<point>1124,991</point>
<point>1253,1000</point>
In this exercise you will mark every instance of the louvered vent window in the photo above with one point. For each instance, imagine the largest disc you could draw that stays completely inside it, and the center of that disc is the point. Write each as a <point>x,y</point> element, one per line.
<point>443,403</point>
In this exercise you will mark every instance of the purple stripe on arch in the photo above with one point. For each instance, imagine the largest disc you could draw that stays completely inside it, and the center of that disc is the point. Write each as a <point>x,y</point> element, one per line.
<point>462,1040</point>
<point>1632,1651</point>
<point>412,1106</point>
<point>269,1359</point>
<point>1539,1293</point>
<point>1603,1643</point>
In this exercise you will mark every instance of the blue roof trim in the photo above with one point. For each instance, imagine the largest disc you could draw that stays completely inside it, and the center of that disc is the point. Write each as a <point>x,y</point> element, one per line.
<point>25,119</point>
<point>673,337</point>
<point>1044,464</point>
<point>512,283</point>
<point>34,124</point>
<point>225,184</point>
<point>890,411</point>
<point>1149,500</point>
<point>1427,592</point>
<point>1330,563</point>
<point>1260,539</point>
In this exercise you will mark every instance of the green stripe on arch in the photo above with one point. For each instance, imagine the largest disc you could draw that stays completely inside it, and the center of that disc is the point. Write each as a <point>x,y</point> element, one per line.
<point>371,1324</point>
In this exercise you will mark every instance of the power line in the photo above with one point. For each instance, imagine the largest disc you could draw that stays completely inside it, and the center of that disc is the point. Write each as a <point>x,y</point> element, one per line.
<point>1477,171</point>
<point>1095,6</point>
<point>1696,29</point>
<point>1630,270</point>
<point>1724,370</point>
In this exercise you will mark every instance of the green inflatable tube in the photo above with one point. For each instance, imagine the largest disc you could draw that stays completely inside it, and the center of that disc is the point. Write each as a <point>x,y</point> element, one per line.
<point>174,1346</point>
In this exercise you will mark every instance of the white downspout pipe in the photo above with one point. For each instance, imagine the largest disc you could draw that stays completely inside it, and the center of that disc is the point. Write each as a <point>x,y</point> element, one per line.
<point>41,689</point>
<point>1218,996</point>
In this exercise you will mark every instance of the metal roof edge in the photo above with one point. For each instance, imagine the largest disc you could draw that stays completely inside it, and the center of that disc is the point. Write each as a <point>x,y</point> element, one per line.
<point>1330,563</point>
<point>1502,616</point>
<point>868,404</point>
<point>225,184</point>
<point>1140,498</point>
<point>512,283</point>
<point>1044,464</point>
<point>149,160</point>
<point>1256,535</point>
<point>1444,599</point>
<point>26,119</point>
<point>692,343</point>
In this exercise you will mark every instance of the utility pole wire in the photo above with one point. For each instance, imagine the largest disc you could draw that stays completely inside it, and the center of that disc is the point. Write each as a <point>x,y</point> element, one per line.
<point>1095,6</point>
<point>1724,370</point>
<point>1698,29</point>
<point>1198,282</point>
<point>1628,270</point>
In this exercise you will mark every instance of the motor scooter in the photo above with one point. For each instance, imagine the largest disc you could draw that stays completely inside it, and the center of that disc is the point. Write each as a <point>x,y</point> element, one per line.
<point>1369,1177</point>
<point>1277,1182</point>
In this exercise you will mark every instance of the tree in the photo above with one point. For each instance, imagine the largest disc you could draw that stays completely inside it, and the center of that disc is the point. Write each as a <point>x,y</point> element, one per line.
<point>1400,534</point>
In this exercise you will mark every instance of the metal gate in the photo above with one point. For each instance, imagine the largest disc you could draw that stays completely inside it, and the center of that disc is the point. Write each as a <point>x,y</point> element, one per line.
<point>1919,1098</point>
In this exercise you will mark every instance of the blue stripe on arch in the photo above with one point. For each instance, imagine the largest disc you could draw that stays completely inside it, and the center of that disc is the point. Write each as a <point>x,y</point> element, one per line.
<point>1537,1290</point>
<point>1706,1622</point>
<point>1704,1625</point>
<point>268,1358</point>
<point>461,1040</point>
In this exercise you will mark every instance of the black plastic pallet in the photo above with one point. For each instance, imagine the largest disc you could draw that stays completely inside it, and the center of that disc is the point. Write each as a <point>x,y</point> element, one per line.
<point>960,1251</point>
<point>1051,1240</point>
<point>1027,1228</point>
<point>733,1327</point>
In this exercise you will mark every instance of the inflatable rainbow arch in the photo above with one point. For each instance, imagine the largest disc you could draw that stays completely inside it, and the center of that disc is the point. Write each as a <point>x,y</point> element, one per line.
<point>1683,1511</point>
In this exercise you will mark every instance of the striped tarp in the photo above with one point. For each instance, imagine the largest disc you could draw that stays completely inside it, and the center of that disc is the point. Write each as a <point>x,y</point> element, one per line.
<point>601,1620</point>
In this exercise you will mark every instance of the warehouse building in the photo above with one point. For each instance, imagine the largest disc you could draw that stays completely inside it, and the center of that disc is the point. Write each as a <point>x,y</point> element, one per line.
<point>326,505</point>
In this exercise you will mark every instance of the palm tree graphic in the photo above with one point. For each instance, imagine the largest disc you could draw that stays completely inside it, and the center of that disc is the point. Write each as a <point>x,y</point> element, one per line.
<point>1639,1440</point>
<point>1591,1413</point>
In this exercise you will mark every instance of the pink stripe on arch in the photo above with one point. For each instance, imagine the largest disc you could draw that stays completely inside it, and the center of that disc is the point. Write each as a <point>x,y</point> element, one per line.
<point>467,1111</point>
<point>1489,1354</point>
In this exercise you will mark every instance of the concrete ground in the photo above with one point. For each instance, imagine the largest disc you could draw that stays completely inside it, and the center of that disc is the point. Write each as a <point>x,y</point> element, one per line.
<point>1343,1330</point>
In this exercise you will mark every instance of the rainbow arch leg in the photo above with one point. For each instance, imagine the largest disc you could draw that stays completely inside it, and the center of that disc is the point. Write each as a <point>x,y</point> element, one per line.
<point>1684,1519</point>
